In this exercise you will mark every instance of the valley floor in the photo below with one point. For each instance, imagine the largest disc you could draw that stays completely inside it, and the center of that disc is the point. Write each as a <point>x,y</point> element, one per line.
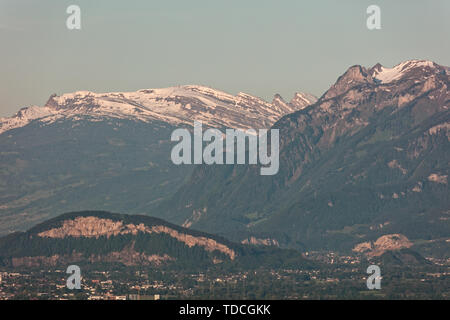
<point>332,281</point>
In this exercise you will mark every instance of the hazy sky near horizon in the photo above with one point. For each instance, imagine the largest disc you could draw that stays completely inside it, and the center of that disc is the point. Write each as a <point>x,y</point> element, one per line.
<point>259,47</point>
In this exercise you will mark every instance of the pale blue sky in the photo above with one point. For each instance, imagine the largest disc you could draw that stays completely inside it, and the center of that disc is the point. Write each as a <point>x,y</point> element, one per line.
<point>260,47</point>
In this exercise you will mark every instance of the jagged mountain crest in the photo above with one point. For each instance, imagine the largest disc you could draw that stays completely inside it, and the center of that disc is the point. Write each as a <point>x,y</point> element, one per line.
<point>174,105</point>
<point>404,70</point>
<point>415,70</point>
<point>298,102</point>
<point>301,100</point>
<point>354,76</point>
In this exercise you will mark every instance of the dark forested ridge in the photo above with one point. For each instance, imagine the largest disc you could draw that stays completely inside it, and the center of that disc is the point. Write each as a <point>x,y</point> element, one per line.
<point>105,239</point>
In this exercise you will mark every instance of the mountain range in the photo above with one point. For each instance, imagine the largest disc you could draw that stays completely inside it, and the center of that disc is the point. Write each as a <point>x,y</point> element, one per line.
<point>111,151</point>
<point>369,158</point>
<point>174,105</point>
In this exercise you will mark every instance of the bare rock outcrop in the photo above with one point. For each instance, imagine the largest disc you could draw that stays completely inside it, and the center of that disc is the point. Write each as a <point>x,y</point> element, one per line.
<point>261,242</point>
<point>94,227</point>
<point>388,242</point>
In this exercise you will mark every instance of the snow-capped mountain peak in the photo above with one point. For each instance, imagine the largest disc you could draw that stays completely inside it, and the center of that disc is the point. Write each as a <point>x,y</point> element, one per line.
<point>388,75</point>
<point>301,100</point>
<point>23,117</point>
<point>180,105</point>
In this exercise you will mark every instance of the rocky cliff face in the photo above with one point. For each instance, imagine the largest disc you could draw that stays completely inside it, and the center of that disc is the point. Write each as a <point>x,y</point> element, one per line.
<point>94,227</point>
<point>389,242</point>
<point>101,237</point>
<point>261,242</point>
